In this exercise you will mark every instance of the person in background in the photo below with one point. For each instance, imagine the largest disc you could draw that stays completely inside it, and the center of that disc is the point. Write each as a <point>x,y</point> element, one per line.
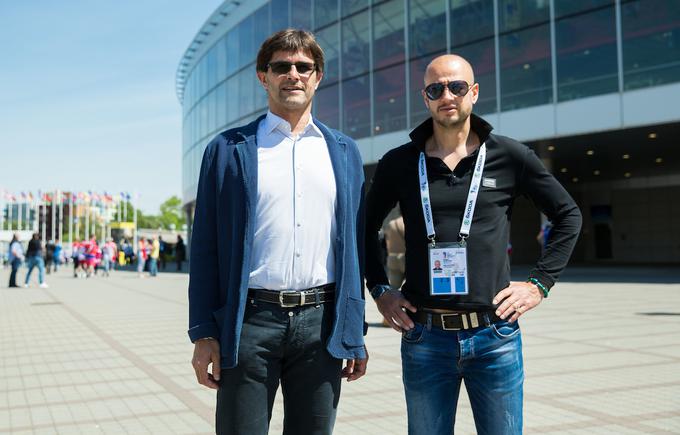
<point>34,258</point>
<point>180,252</point>
<point>15,258</point>
<point>49,255</point>
<point>58,254</point>
<point>141,256</point>
<point>154,254</point>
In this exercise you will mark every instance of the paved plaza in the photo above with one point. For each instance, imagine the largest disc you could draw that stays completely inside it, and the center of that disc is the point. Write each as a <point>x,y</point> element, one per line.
<point>111,355</point>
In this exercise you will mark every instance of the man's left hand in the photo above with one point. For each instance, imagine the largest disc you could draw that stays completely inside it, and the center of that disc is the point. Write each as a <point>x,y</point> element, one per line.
<point>355,368</point>
<point>516,299</point>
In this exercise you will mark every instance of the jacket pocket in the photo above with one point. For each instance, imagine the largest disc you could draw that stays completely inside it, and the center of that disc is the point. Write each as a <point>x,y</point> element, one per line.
<point>353,331</point>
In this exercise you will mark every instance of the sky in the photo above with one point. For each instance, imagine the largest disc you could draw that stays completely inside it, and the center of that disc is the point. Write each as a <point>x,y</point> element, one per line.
<point>87,95</point>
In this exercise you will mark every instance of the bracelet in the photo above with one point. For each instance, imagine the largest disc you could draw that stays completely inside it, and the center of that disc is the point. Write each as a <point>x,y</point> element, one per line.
<point>540,286</point>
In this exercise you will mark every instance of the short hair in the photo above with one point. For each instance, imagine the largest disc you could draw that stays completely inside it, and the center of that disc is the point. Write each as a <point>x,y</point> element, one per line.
<point>290,40</point>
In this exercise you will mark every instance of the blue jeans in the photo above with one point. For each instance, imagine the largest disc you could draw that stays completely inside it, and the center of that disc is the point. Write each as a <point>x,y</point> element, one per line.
<point>488,359</point>
<point>32,262</point>
<point>153,266</point>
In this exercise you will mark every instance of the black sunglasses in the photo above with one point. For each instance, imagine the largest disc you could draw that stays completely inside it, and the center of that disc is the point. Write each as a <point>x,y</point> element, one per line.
<point>459,88</point>
<point>283,67</point>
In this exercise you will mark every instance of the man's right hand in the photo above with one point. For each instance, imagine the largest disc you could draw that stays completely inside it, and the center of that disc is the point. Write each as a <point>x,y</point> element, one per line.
<point>391,305</point>
<point>206,351</point>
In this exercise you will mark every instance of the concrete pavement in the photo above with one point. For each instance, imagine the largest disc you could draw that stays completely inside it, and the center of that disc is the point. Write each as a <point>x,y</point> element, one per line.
<point>111,355</point>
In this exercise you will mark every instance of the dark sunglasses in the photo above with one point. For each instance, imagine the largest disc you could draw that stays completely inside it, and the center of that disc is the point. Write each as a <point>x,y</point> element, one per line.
<point>459,88</point>
<point>283,67</point>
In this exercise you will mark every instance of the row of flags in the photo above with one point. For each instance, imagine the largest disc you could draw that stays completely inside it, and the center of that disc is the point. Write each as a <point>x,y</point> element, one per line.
<point>65,197</point>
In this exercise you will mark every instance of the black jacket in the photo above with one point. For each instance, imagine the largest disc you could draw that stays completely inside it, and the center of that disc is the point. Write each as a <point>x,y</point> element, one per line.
<point>511,169</point>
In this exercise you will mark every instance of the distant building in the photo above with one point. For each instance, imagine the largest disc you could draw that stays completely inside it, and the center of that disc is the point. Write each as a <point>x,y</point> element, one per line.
<point>591,85</point>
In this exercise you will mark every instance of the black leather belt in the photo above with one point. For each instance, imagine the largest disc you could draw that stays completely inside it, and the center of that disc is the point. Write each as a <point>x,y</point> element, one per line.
<point>454,321</point>
<point>294,298</point>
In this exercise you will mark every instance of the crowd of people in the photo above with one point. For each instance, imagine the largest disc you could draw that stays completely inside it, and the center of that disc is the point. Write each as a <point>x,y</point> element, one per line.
<point>91,257</point>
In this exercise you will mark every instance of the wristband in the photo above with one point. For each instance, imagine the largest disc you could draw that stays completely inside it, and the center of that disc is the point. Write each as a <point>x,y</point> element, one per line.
<point>540,286</point>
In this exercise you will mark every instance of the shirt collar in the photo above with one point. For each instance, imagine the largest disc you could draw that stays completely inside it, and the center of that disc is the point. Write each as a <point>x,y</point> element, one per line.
<point>421,133</point>
<point>273,122</point>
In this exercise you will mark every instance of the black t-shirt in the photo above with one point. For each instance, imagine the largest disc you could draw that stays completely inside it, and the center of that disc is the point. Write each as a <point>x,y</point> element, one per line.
<point>511,169</point>
<point>34,248</point>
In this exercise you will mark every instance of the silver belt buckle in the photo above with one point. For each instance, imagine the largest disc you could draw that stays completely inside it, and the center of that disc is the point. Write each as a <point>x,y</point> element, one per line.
<point>444,327</point>
<point>292,293</point>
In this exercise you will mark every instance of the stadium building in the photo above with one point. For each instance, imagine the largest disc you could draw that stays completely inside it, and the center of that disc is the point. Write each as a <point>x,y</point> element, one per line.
<point>591,85</point>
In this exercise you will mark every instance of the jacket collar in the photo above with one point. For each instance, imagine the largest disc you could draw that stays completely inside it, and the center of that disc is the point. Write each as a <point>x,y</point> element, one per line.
<point>424,131</point>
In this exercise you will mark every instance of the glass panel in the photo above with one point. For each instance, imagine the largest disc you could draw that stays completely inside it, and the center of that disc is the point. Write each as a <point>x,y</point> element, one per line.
<point>388,33</point>
<point>389,110</point>
<point>246,100</point>
<point>351,6</point>
<point>211,67</point>
<point>325,12</point>
<point>418,109</point>
<point>356,108</point>
<point>566,7</point>
<point>355,48</point>
<point>515,14</point>
<point>301,16</point>
<point>329,40</point>
<point>232,51</point>
<point>481,56</point>
<point>651,43</point>
<point>204,117</point>
<point>261,20</point>
<point>427,27</point>
<point>211,101</point>
<point>470,21</point>
<point>232,96</point>
<point>279,15</point>
<point>221,106</point>
<point>247,50</point>
<point>221,53</point>
<point>586,55</point>
<point>327,106</point>
<point>526,73</point>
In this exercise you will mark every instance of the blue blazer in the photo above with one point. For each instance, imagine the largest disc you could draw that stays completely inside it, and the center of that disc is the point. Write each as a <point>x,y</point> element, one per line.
<point>223,232</point>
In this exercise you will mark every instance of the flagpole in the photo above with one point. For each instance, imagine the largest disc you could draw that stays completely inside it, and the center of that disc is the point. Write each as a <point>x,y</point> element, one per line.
<point>87,221</point>
<point>70,220</point>
<point>61,215</point>
<point>134,217</point>
<point>9,214</point>
<point>20,225</point>
<point>44,218</point>
<point>53,211</point>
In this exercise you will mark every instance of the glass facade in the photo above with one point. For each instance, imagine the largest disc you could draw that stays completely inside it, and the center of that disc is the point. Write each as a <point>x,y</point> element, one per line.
<point>524,52</point>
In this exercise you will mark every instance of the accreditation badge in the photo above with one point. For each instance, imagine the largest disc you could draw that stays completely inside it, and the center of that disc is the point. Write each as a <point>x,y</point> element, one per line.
<point>448,269</point>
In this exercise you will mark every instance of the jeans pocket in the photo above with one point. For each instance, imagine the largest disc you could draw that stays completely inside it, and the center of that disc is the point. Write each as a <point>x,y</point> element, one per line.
<point>413,335</point>
<point>505,330</point>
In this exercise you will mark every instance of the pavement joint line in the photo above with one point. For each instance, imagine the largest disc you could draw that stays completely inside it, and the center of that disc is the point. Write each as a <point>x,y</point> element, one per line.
<point>189,400</point>
<point>75,401</point>
<point>62,385</point>
<point>539,397</point>
<point>142,292</point>
<point>97,421</point>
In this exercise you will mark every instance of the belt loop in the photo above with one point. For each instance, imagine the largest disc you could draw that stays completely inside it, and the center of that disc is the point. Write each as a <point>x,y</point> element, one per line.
<point>429,322</point>
<point>317,298</point>
<point>487,320</point>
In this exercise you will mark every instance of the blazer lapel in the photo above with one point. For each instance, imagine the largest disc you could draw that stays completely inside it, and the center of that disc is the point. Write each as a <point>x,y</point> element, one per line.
<point>338,154</point>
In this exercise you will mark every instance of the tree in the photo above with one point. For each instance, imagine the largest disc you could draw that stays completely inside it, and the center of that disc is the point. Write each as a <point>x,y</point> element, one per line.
<point>171,213</point>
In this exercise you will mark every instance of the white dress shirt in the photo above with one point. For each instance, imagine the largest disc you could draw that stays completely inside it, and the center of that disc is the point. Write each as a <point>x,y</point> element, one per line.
<point>295,225</point>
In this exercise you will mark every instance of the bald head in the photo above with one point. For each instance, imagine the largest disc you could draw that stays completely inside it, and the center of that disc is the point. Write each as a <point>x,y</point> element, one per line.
<point>450,67</point>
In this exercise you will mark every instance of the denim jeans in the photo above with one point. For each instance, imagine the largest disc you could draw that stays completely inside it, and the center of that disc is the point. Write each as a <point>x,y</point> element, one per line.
<point>488,359</point>
<point>32,262</point>
<point>16,263</point>
<point>286,346</point>
<point>153,266</point>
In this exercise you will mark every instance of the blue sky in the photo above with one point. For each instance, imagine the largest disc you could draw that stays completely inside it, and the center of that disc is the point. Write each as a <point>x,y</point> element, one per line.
<point>87,95</point>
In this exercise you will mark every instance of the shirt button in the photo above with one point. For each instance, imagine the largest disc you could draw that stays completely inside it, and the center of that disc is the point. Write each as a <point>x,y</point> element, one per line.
<point>297,254</point>
<point>290,314</point>
<point>299,224</point>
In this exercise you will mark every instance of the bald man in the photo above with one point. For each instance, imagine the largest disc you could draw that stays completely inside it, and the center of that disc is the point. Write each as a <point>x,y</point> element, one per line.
<point>456,183</point>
